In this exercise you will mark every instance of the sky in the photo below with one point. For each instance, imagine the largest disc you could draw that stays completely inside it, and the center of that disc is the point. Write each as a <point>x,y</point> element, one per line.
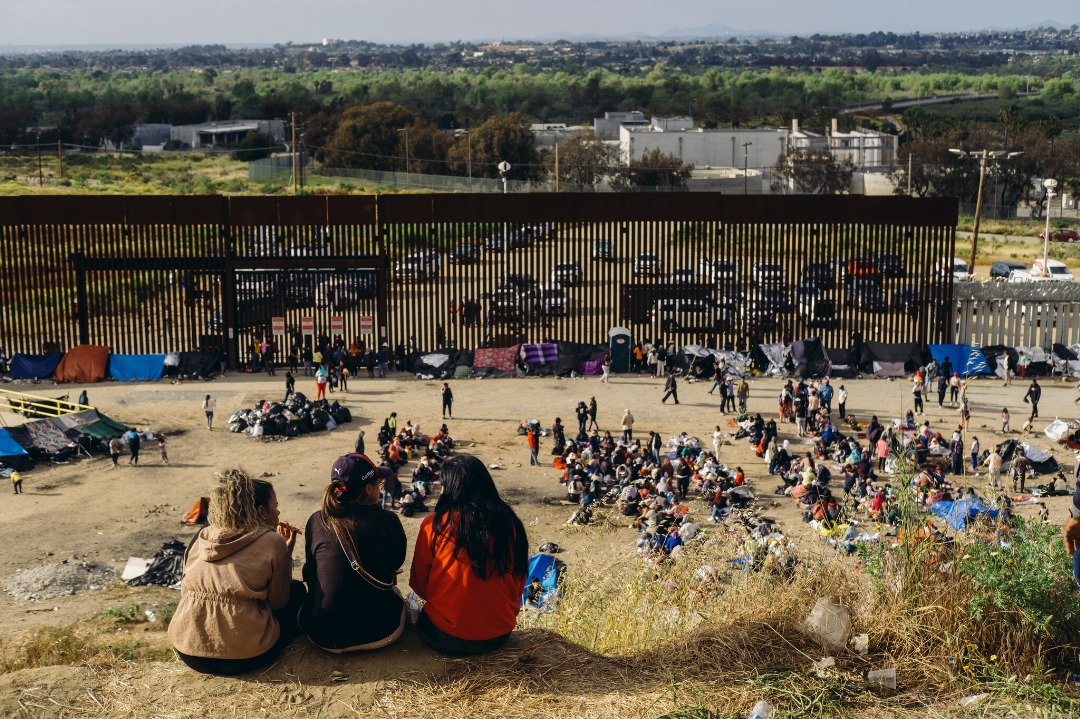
<point>116,23</point>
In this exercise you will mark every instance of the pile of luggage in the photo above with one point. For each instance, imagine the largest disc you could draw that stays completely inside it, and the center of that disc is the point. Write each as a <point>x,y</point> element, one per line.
<point>292,418</point>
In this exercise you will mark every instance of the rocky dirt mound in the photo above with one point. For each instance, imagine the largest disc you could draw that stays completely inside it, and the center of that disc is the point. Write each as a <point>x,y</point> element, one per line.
<point>62,579</point>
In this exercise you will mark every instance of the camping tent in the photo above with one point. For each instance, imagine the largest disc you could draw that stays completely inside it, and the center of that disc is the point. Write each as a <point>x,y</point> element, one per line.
<point>959,513</point>
<point>966,360</point>
<point>548,569</point>
<point>24,366</point>
<point>12,454</point>
<point>126,368</point>
<point>620,342</point>
<point>495,360</point>
<point>810,358</point>
<point>890,359</point>
<point>840,363</point>
<point>83,363</point>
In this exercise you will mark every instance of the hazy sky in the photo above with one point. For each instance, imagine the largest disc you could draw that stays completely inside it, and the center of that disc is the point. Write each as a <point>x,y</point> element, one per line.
<point>129,22</point>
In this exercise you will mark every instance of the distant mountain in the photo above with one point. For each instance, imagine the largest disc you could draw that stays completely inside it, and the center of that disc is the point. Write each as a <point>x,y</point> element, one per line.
<point>703,32</point>
<point>1032,26</point>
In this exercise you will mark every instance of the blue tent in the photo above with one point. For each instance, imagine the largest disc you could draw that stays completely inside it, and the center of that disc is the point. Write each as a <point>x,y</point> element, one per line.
<point>966,360</point>
<point>959,513</point>
<point>25,366</point>
<point>12,453</point>
<point>125,368</point>
<point>546,568</point>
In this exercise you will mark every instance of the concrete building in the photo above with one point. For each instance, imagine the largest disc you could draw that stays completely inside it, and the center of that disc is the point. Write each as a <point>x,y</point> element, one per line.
<point>607,127</point>
<point>225,134</point>
<point>867,149</point>
<point>757,149</point>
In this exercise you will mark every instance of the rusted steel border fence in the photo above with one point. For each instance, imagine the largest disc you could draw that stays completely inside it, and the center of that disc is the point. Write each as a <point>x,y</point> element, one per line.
<point>161,274</point>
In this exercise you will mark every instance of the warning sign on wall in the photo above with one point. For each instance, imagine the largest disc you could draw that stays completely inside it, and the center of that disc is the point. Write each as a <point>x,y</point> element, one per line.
<point>307,325</point>
<point>367,325</point>
<point>337,325</point>
<point>277,325</point>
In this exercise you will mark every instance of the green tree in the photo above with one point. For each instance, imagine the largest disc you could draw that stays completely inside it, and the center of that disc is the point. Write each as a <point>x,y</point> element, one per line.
<point>584,161</point>
<point>817,173</point>
<point>255,146</point>
<point>501,138</point>
<point>653,170</point>
<point>367,137</point>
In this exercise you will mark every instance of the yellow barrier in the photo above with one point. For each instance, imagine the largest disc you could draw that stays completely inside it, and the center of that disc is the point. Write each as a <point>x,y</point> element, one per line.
<point>30,405</point>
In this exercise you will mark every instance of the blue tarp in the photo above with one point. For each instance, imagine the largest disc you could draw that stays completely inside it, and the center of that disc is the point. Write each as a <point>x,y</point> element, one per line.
<point>957,514</point>
<point>25,366</point>
<point>8,446</point>
<point>543,566</point>
<point>966,360</point>
<point>125,368</point>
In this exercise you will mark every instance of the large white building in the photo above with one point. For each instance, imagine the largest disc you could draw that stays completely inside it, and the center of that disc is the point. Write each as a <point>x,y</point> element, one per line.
<point>754,149</point>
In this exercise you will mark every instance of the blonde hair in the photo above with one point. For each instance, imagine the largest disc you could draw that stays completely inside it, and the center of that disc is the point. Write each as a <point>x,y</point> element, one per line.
<point>235,498</point>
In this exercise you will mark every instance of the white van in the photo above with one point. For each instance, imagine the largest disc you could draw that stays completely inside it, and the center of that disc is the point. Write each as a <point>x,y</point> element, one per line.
<point>959,269</point>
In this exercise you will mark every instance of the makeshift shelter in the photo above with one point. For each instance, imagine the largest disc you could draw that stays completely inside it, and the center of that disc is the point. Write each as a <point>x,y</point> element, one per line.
<point>83,363</point>
<point>1039,363</point>
<point>995,354</point>
<point>548,570</point>
<point>12,454</point>
<point>840,363</point>
<point>966,360</point>
<point>130,368</point>
<point>24,366</point>
<point>540,358</point>
<point>958,514</point>
<point>890,359</point>
<point>620,343</point>
<point>773,360</point>
<point>199,364</point>
<point>432,364</point>
<point>810,358</point>
<point>1040,461</point>
<point>495,360</point>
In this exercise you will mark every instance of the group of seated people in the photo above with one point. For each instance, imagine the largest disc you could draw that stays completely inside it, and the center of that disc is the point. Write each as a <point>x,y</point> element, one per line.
<point>239,606</point>
<point>396,447</point>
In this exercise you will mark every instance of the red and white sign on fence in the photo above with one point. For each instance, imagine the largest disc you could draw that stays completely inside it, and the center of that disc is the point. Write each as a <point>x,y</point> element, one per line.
<point>337,325</point>
<point>277,325</point>
<point>307,325</point>
<point>367,325</point>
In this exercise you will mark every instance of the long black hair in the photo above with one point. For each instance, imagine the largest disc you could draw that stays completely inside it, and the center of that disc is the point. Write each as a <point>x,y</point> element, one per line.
<point>479,521</point>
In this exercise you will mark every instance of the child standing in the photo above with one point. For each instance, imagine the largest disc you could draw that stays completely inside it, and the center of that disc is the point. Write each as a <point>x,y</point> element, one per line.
<point>161,448</point>
<point>1004,420</point>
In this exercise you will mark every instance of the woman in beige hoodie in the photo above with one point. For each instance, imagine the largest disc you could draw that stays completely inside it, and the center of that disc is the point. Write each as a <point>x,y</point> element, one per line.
<point>238,602</point>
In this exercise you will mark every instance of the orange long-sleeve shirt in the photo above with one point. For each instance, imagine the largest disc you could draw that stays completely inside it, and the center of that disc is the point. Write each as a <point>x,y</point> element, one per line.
<point>459,602</point>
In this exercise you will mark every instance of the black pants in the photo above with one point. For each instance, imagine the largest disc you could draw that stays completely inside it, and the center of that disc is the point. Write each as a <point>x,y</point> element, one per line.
<point>448,409</point>
<point>918,403</point>
<point>445,643</point>
<point>941,398</point>
<point>674,393</point>
<point>134,448</point>
<point>684,487</point>
<point>286,619</point>
<point>843,409</point>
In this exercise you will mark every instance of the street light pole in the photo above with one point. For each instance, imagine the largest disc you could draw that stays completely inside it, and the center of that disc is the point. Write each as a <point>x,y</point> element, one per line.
<point>40,175</point>
<point>746,167</point>
<point>1050,185</point>
<point>406,131</point>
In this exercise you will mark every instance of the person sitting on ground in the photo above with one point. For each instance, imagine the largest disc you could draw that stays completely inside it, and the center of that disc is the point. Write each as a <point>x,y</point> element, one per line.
<point>470,563</point>
<point>353,550</point>
<point>238,601</point>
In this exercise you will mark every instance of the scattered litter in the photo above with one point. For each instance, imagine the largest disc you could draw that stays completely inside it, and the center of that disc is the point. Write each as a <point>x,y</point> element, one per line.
<point>973,699</point>
<point>151,615</point>
<point>829,623</point>
<point>823,665</point>
<point>883,677</point>
<point>861,642</point>
<point>494,466</point>
<point>336,676</point>
<point>135,567</point>
<point>761,710</point>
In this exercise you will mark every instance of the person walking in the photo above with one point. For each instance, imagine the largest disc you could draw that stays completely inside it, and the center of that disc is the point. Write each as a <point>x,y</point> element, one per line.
<point>728,390</point>
<point>965,414</point>
<point>717,381</point>
<point>825,393</point>
<point>114,451</point>
<point>841,401</point>
<point>717,440</point>
<point>993,466</point>
<point>1004,420</point>
<point>208,405</point>
<point>1019,470</point>
<point>954,389</point>
<point>161,448</point>
<point>582,412</point>
<point>134,440</point>
<point>592,414</point>
<point>322,378</point>
<point>358,445</point>
<point>942,385</point>
<point>290,386</point>
<point>627,426</point>
<point>16,481</point>
<point>447,401</point>
<point>743,393</point>
<point>671,387</point>
<point>917,394</point>
<point>1034,394</point>
<point>605,367</point>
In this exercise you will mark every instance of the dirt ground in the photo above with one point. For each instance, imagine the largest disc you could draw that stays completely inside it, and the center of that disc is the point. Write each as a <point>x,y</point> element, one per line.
<point>89,510</point>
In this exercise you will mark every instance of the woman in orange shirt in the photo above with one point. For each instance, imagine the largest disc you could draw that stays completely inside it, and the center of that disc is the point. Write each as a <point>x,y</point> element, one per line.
<point>470,563</point>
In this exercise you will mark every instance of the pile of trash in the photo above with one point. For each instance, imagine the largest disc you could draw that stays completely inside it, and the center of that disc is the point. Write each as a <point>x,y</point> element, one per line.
<point>292,418</point>
<point>62,579</point>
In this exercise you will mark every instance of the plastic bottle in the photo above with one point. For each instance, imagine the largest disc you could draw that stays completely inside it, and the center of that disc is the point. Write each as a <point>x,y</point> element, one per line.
<point>761,710</point>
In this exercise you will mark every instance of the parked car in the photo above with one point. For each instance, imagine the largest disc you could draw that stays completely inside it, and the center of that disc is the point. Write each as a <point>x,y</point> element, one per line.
<point>1001,269</point>
<point>509,305</point>
<point>603,250</point>
<point>891,265</point>
<point>865,295</point>
<point>769,273</point>
<point>820,275</point>
<point>957,267</point>
<point>817,311</point>
<point>675,315</point>
<point>516,240</point>
<point>1062,235</point>
<point>553,301</point>
<point>346,290</point>
<point>1052,270</point>
<point>906,301</point>
<point>566,274</point>
<point>417,267</point>
<point>464,255</point>
<point>719,271</point>
<point>768,300</point>
<point>647,263</point>
<point>682,276</point>
<point>861,268</point>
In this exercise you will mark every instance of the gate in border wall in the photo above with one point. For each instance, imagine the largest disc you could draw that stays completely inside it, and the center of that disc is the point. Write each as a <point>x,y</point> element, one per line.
<point>161,274</point>
<point>1017,314</point>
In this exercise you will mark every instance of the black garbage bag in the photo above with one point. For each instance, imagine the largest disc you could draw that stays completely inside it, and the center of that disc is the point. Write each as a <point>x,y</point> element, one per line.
<point>166,568</point>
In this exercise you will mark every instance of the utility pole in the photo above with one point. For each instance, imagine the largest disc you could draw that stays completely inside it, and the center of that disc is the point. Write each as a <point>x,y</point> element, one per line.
<point>909,174</point>
<point>746,167</point>
<point>60,156</point>
<point>40,175</point>
<point>982,156</point>
<point>295,173</point>
<point>556,167</point>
